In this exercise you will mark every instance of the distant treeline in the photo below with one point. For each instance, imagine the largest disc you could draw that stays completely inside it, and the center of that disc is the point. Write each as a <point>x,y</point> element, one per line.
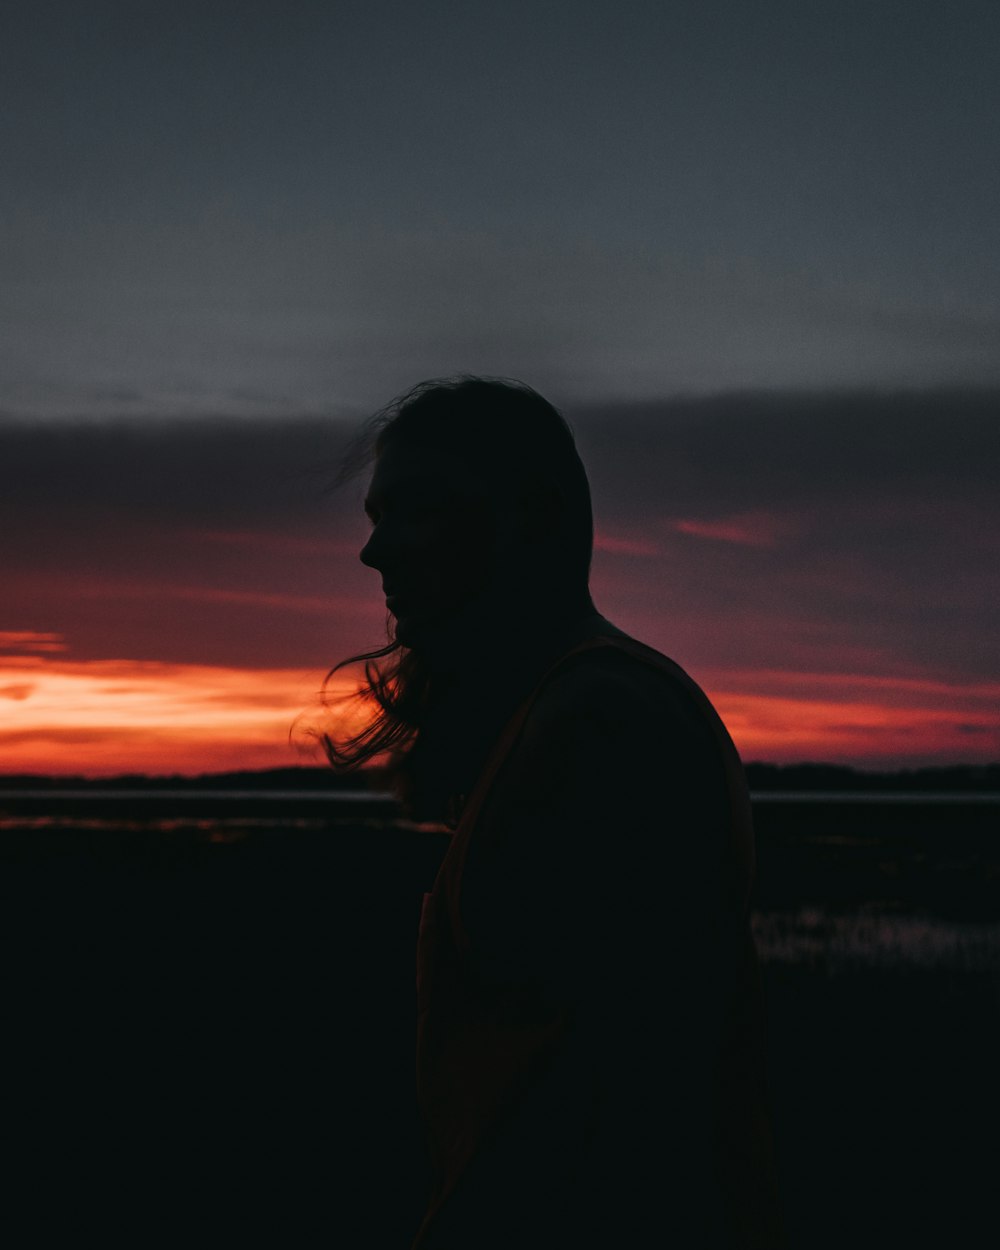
<point>981,778</point>
<point>298,778</point>
<point>762,777</point>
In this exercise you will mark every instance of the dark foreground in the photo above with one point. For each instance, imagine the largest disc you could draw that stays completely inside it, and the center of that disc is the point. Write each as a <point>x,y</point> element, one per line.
<point>208,1026</point>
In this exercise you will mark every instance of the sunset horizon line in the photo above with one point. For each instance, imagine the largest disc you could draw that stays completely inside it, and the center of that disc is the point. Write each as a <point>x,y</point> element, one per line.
<point>989,769</point>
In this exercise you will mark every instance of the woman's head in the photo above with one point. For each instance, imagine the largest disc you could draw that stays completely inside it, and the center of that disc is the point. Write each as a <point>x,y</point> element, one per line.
<point>478,498</point>
<point>481,529</point>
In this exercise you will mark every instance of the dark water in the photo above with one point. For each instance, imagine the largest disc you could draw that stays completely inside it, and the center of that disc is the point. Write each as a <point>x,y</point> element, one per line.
<point>208,1017</point>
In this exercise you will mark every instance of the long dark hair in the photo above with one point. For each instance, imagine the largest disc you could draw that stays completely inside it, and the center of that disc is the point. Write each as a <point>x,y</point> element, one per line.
<point>521,443</point>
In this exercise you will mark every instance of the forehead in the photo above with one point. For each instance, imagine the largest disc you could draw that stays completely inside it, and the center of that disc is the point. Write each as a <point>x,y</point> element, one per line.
<point>402,468</point>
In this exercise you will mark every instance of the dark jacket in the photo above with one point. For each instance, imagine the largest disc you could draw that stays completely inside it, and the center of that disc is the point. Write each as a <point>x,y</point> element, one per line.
<point>590,1039</point>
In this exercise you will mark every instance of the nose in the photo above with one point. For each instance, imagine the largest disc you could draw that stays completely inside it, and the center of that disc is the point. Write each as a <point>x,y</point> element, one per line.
<point>381,549</point>
<point>369,552</point>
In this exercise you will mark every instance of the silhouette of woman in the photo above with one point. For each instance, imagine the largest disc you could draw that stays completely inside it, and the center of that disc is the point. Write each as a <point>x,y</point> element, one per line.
<point>589,1051</point>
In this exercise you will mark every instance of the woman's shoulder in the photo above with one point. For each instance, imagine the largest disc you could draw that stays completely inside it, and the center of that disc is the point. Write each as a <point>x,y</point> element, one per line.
<point>618,675</point>
<point>621,692</point>
<point>610,731</point>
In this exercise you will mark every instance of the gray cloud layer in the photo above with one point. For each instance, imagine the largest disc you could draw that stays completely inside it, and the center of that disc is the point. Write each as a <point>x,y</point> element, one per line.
<point>262,207</point>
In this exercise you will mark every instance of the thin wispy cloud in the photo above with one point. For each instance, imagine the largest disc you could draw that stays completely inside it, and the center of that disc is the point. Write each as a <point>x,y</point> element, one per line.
<point>30,640</point>
<point>749,529</point>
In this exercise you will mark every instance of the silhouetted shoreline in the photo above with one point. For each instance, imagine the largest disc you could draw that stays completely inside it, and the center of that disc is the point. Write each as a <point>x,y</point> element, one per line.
<point>771,778</point>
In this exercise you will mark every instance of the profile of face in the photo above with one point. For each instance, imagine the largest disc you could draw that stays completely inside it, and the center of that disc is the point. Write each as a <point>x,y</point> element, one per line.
<point>433,539</point>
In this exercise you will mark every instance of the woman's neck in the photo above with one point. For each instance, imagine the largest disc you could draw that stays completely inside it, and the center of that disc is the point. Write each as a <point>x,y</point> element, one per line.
<point>474,696</point>
<point>506,634</point>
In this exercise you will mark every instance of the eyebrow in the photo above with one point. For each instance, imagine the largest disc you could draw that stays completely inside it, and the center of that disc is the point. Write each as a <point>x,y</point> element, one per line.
<point>406,487</point>
<point>402,489</point>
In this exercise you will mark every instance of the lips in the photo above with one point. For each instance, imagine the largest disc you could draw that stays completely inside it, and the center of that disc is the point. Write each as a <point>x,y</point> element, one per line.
<point>395,602</point>
<point>398,600</point>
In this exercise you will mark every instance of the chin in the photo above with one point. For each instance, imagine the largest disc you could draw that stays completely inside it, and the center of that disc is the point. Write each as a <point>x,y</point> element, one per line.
<point>403,633</point>
<point>438,631</point>
<point>424,635</point>
<point>410,631</point>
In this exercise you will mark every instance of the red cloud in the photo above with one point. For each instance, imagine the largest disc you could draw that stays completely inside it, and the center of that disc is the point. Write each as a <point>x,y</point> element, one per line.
<point>30,640</point>
<point>747,529</point>
<point>625,546</point>
<point>18,691</point>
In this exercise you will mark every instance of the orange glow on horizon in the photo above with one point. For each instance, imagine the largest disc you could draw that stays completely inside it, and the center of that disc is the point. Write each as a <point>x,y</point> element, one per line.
<point>789,730</point>
<point>858,719</point>
<point>106,717</point>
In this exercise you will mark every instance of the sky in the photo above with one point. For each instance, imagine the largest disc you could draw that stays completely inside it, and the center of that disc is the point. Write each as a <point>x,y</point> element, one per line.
<point>750,250</point>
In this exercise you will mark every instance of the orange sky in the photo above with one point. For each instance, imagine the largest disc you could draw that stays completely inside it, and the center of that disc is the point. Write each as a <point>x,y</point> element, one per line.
<point>104,717</point>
